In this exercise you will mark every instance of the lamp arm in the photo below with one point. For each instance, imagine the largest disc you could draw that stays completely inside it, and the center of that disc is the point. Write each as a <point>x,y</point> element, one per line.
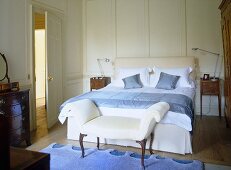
<point>209,52</point>
<point>100,67</point>
<point>220,66</point>
<point>214,75</point>
<point>218,55</point>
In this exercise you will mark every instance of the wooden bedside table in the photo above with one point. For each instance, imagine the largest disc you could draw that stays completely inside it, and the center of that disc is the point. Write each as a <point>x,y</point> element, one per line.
<point>209,87</point>
<point>99,82</point>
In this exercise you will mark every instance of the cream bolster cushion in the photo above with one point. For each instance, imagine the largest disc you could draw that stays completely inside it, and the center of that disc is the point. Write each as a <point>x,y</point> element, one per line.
<point>158,110</point>
<point>84,109</point>
<point>65,112</point>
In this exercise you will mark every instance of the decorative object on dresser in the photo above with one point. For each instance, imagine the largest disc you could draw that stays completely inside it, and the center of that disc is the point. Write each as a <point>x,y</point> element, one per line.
<point>225,8</point>
<point>3,68</point>
<point>206,77</point>
<point>210,87</point>
<point>6,86</point>
<point>14,106</point>
<point>99,82</point>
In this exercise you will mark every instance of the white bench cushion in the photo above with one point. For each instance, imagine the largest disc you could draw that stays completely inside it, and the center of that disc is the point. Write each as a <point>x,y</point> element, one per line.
<point>112,127</point>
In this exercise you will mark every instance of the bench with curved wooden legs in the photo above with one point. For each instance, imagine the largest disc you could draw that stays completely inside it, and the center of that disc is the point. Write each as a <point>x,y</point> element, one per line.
<point>117,127</point>
<point>142,144</point>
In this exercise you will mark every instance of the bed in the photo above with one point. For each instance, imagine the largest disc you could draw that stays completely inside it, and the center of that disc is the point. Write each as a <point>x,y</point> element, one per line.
<point>174,132</point>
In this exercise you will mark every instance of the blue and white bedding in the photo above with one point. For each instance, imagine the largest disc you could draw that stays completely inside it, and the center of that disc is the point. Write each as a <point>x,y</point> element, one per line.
<point>133,102</point>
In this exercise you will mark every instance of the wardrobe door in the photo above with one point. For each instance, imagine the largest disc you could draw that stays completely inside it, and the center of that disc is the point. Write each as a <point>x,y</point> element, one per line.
<point>226,35</point>
<point>228,56</point>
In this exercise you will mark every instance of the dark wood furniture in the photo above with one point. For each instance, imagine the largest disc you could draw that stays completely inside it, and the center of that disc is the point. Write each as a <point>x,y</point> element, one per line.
<point>14,106</point>
<point>4,144</point>
<point>25,159</point>
<point>99,82</point>
<point>209,87</point>
<point>225,8</point>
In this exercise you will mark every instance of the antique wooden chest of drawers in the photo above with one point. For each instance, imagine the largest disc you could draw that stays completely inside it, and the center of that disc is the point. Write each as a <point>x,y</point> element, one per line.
<point>14,106</point>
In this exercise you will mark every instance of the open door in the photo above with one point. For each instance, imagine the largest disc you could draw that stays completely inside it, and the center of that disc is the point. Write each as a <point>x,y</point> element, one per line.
<point>54,67</point>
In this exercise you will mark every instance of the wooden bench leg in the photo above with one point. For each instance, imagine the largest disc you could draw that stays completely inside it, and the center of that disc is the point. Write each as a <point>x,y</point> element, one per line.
<point>98,143</point>
<point>143,145</point>
<point>151,141</point>
<point>81,136</point>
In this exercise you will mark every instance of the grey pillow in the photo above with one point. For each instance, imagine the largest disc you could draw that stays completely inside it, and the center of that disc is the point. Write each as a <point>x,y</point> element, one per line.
<point>132,82</point>
<point>167,81</point>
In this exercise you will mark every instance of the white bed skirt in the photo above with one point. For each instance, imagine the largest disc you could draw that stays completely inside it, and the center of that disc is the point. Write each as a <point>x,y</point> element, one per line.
<point>167,137</point>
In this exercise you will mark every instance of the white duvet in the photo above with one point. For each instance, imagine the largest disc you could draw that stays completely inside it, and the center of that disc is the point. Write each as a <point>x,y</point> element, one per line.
<point>175,118</point>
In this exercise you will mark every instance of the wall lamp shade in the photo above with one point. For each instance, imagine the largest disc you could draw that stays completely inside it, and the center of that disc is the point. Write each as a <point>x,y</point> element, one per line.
<point>217,54</point>
<point>99,60</point>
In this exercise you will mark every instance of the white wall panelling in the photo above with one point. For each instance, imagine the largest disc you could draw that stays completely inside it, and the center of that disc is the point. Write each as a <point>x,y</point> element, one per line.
<point>167,27</point>
<point>99,32</point>
<point>132,28</point>
<point>13,42</point>
<point>204,31</point>
<point>72,88</point>
<point>72,57</point>
<point>73,39</point>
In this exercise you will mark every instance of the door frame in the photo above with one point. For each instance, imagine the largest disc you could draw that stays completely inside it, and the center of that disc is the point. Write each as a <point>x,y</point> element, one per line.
<point>32,8</point>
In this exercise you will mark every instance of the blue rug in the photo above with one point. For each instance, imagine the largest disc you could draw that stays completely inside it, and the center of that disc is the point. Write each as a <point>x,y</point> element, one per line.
<point>67,157</point>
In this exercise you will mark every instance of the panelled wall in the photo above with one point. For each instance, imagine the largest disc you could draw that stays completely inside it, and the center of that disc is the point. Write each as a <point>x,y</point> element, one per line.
<point>151,28</point>
<point>72,47</point>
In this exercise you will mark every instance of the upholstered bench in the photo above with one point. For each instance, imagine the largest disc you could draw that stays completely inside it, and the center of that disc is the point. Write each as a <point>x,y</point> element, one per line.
<point>116,127</point>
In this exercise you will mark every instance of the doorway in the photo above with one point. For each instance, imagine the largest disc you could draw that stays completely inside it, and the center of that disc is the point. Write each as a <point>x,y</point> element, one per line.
<point>47,67</point>
<point>40,73</point>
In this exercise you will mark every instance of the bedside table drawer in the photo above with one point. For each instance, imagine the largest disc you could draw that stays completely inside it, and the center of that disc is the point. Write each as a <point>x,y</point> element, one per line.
<point>99,82</point>
<point>210,88</point>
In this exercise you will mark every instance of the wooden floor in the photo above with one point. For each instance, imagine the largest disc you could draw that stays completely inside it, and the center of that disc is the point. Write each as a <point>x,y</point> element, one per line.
<point>211,140</point>
<point>41,120</point>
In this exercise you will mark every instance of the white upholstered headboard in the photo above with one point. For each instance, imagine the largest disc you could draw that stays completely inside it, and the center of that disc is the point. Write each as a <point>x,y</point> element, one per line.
<point>164,62</point>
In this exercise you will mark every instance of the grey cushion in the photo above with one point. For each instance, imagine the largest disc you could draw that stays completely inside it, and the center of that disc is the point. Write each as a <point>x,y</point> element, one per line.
<point>167,81</point>
<point>132,82</point>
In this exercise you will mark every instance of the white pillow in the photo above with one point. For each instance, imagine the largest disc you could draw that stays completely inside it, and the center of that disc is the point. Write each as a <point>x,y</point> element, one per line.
<point>121,73</point>
<point>182,72</point>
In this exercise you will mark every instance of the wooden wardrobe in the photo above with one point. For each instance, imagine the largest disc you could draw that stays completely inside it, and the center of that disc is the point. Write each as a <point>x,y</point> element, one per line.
<point>225,8</point>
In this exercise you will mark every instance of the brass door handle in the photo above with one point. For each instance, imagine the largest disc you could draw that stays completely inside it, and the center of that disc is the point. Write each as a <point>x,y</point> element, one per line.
<point>50,78</point>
